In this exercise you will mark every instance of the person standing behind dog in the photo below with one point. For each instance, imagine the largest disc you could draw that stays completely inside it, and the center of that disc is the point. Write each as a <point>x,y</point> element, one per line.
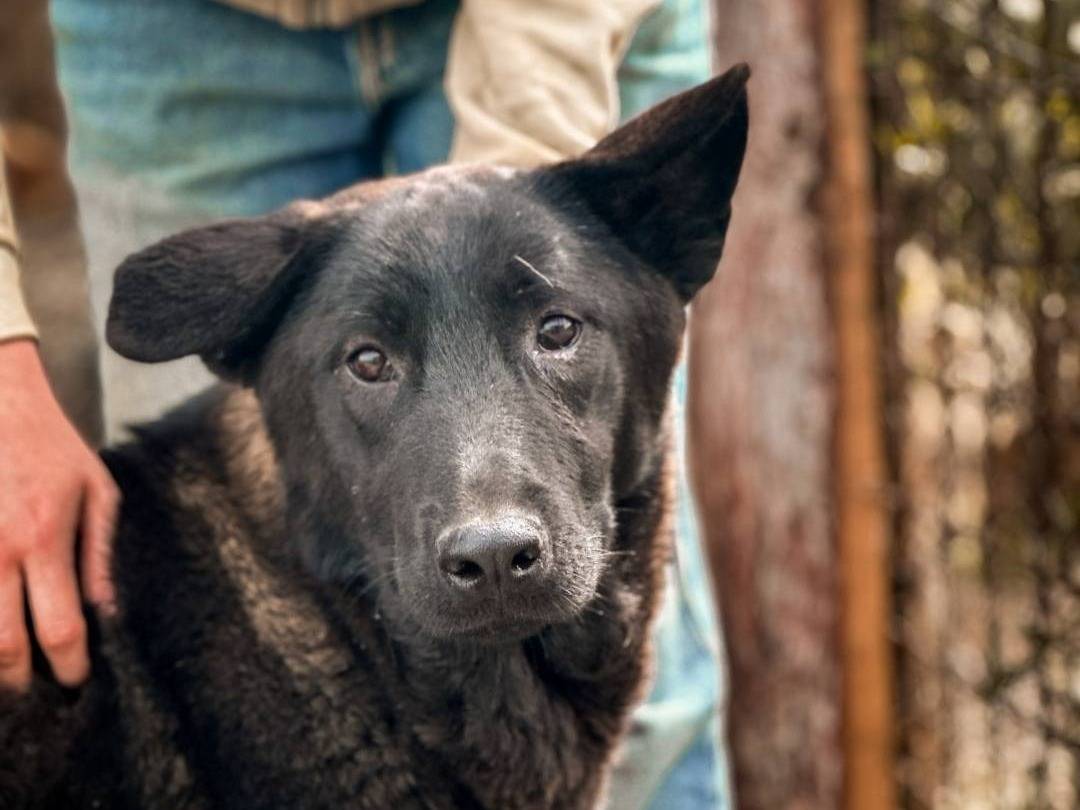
<point>184,111</point>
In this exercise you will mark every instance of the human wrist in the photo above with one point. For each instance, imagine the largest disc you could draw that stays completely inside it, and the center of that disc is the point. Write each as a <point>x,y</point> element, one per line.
<point>21,369</point>
<point>15,320</point>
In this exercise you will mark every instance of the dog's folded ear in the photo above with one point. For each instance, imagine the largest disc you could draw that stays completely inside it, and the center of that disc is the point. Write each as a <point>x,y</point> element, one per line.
<point>663,181</point>
<point>217,291</point>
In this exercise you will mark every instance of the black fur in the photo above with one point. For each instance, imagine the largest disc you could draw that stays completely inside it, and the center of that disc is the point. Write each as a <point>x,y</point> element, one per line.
<point>286,635</point>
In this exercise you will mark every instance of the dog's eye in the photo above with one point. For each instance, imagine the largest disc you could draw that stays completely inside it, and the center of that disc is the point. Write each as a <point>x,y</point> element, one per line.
<point>558,332</point>
<point>370,365</point>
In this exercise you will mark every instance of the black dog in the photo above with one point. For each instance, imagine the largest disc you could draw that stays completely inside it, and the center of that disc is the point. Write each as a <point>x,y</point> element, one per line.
<point>409,558</point>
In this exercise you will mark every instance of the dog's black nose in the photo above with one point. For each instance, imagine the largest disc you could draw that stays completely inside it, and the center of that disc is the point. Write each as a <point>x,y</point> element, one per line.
<point>483,555</point>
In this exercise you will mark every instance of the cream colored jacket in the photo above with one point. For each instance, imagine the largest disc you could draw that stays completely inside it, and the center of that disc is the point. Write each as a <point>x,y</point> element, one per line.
<point>528,82</point>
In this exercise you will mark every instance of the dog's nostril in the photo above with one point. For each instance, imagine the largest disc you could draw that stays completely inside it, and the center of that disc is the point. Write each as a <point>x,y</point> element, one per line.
<point>525,559</point>
<point>465,570</point>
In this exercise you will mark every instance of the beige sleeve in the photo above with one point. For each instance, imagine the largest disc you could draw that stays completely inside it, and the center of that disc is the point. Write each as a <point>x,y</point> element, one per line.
<point>14,318</point>
<point>533,82</point>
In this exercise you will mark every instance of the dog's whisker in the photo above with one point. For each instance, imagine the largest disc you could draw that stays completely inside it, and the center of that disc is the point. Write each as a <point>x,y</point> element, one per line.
<point>369,584</point>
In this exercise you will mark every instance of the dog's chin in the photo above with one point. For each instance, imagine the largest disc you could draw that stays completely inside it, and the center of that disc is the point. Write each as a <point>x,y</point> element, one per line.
<point>496,633</point>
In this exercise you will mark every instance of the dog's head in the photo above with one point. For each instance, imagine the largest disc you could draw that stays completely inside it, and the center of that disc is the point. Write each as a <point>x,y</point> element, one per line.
<point>464,371</point>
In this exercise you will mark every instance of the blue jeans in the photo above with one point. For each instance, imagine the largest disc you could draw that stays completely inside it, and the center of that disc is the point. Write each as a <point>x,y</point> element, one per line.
<point>186,110</point>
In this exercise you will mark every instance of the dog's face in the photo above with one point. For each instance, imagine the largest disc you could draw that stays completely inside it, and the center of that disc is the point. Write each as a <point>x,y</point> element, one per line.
<point>467,359</point>
<point>465,371</point>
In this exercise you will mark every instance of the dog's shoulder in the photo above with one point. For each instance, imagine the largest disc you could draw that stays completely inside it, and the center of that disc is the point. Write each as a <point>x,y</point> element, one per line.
<point>190,486</point>
<point>204,470</point>
<point>199,492</point>
<point>219,628</point>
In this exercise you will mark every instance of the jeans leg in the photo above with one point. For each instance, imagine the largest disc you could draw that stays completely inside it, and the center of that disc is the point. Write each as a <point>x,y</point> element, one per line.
<point>118,217</point>
<point>410,47</point>
<point>183,111</point>
<point>669,53</point>
<point>674,759</point>
<point>420,130</point>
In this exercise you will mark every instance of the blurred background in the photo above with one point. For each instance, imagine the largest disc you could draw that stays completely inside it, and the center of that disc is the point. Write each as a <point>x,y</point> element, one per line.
<point>887,403</point>
<point>885,392</point>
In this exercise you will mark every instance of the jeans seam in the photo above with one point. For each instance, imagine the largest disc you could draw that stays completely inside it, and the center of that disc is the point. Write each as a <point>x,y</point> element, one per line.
<point>387,44</point>
<point>369,65</point>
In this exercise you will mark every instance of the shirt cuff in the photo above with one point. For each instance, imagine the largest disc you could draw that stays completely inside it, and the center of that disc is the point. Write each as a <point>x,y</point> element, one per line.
<point>15,321</point>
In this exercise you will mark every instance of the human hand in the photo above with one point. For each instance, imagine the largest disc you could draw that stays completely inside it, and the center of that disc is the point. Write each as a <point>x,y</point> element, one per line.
<point>53,489</point>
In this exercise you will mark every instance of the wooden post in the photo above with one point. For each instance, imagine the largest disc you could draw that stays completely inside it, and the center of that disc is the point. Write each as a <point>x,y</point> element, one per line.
<point>787,446</point>
<point>862,524</point>
<point>761,413</point>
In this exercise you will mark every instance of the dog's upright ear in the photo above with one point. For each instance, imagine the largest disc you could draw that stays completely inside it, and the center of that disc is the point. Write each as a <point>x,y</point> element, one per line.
<point>218,291</point>
<point>663,181</point>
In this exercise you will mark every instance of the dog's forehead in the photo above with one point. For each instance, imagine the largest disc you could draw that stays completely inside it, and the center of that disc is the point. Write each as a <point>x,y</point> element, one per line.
<point>448,220</point>
<point>450,185</point>
<point>471,198</point>
<point>426,192</point>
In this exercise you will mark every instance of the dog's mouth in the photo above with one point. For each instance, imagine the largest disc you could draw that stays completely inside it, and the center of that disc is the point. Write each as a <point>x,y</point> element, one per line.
<point>491,622</point>
<point>496,623</point>
<point>497,631</point>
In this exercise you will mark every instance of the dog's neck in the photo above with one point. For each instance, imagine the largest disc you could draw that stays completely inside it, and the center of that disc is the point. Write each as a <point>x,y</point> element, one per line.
<point>536,706</point>
<point>550,707</point>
